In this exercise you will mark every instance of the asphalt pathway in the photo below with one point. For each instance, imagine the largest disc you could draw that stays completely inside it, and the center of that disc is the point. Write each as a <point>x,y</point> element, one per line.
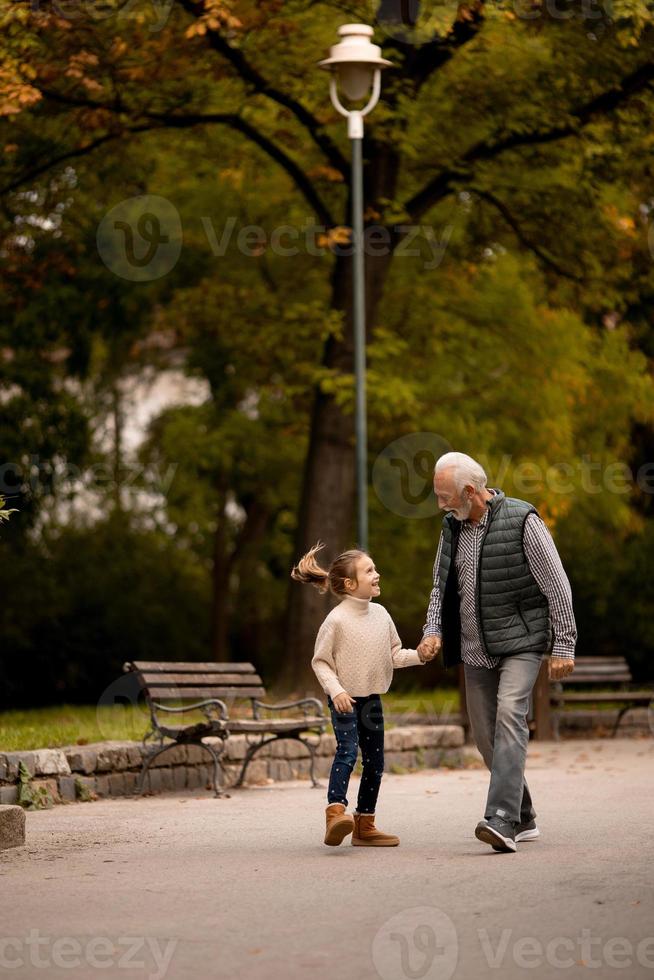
<point>186,886</point>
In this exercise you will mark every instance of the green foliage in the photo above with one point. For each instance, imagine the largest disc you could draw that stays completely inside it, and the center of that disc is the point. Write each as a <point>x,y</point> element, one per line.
<point>80,602</point>
<point>526,340</point>
<point>5,513</point>
<point>30,797</point>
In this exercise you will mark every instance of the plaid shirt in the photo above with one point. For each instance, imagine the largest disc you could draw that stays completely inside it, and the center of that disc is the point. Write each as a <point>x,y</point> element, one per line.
<point>544,564</point>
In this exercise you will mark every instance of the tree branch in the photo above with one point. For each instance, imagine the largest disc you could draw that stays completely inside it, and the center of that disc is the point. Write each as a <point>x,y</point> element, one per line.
<point>251,75</point>
<point>441,185</point>
<point>178,121</point>
<point>275,152</point>
<point>429,57</point>
<point>512,221</point>
<point>69,155</point>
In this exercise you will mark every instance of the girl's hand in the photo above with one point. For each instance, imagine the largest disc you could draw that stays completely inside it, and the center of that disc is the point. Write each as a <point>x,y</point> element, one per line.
<point>343,703</point>
<point>429,648</point>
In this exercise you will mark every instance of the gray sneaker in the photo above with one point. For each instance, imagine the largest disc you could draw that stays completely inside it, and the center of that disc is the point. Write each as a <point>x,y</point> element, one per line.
<point>526,831</point>
<point>500,834</point>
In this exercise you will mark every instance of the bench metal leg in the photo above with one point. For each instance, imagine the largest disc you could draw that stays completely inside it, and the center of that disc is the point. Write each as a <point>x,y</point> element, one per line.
<point>217,792</point>
<point>556,726</point>
<point>312,759</point>
<point>147,762</point>
<point>149,759</point>
<point>254,748</point>
<point>621,713</point>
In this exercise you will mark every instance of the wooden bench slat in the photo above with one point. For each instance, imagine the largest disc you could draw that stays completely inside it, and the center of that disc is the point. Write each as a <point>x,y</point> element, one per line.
<point>180,667</point>
<point>277,725</point>
<point>603,696</point>
<point>597,679</point>
<point>198,680</point>
<point>602,660</point>
<point>181,682</point>
<point>203,693</point>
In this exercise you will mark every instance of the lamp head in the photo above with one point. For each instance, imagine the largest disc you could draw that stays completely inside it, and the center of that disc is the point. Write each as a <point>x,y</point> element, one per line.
<point>354,60</point>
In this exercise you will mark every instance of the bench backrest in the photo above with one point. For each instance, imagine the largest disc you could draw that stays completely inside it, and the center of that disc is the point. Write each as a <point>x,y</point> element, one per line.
<point>177,681</point>
<point>599,670</point>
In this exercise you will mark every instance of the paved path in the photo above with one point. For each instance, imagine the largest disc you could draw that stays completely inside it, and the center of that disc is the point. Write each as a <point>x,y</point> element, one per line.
<point>192,887</point>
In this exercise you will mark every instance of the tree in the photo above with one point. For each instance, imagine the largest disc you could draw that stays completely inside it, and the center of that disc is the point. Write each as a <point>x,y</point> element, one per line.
<point>526,132</point>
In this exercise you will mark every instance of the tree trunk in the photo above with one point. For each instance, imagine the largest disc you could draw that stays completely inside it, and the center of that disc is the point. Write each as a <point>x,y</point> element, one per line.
<point>327,505</point>
<point>117,449</point>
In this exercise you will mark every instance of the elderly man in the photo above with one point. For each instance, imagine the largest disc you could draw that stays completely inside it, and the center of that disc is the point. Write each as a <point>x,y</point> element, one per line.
<point>501,601</point>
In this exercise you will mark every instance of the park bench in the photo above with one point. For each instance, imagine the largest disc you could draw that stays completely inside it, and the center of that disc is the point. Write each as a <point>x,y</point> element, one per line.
<point>599,672</point>
<point>220,691</point>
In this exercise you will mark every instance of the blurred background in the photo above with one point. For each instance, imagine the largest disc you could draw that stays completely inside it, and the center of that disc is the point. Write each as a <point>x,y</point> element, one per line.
<point>176,387</point>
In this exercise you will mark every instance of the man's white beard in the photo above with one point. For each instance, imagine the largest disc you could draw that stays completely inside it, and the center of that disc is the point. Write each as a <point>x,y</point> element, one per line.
<point>462,513</point>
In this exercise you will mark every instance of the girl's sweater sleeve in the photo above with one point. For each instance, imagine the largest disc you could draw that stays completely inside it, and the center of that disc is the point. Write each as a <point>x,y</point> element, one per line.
<point>323,663</point>
<point>402,657</point>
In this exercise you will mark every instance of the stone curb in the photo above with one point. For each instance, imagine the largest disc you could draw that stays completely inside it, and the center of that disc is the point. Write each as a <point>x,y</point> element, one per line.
<point>112,768</point>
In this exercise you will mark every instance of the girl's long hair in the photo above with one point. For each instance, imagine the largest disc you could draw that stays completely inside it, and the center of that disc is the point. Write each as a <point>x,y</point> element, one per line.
<point>310,572</point>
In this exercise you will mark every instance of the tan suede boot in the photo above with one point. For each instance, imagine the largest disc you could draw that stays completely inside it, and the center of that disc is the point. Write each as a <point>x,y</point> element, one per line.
<point>339,824</point>
<point>366,834</point>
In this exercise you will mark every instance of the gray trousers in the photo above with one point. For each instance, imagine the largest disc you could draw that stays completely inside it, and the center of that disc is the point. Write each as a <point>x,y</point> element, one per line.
<point>498,704</point>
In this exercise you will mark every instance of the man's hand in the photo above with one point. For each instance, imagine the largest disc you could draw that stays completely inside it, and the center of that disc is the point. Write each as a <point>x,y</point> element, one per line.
<point>429,647</point>
<point>344,703</point>
<point>560,667</point>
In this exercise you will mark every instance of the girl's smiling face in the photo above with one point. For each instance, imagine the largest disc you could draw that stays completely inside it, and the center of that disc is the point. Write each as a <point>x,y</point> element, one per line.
<point>367,579</point>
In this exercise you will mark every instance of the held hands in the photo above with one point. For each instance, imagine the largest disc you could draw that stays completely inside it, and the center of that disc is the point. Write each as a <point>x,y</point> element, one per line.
<point>560,667</point>
<point>429,647</point>
<point>343,703</point>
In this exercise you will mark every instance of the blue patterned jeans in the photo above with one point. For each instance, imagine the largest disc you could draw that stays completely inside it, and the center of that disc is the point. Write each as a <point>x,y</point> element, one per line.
<point>363,727</point>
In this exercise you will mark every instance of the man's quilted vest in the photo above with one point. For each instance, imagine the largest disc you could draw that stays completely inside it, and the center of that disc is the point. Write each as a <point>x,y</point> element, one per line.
<point>512,613</point>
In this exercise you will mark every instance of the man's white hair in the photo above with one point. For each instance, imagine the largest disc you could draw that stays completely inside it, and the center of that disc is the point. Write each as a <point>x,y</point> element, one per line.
<point>467,471</point>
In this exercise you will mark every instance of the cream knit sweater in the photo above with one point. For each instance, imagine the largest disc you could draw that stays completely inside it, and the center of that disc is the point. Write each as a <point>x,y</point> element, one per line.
<point>357,648</point>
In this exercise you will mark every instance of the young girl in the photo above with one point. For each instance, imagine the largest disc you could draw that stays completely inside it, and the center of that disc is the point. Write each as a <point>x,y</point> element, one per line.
<point>356,649</point>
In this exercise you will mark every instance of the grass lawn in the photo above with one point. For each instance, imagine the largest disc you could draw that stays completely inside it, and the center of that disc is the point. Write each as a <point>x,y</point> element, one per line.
<point>81,724</point>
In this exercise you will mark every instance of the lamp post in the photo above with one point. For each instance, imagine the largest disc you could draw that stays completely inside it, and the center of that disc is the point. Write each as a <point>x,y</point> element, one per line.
<point>356,65</point>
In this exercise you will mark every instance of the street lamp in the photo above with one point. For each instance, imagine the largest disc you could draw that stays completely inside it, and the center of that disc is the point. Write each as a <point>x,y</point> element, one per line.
<point>356,65</point>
